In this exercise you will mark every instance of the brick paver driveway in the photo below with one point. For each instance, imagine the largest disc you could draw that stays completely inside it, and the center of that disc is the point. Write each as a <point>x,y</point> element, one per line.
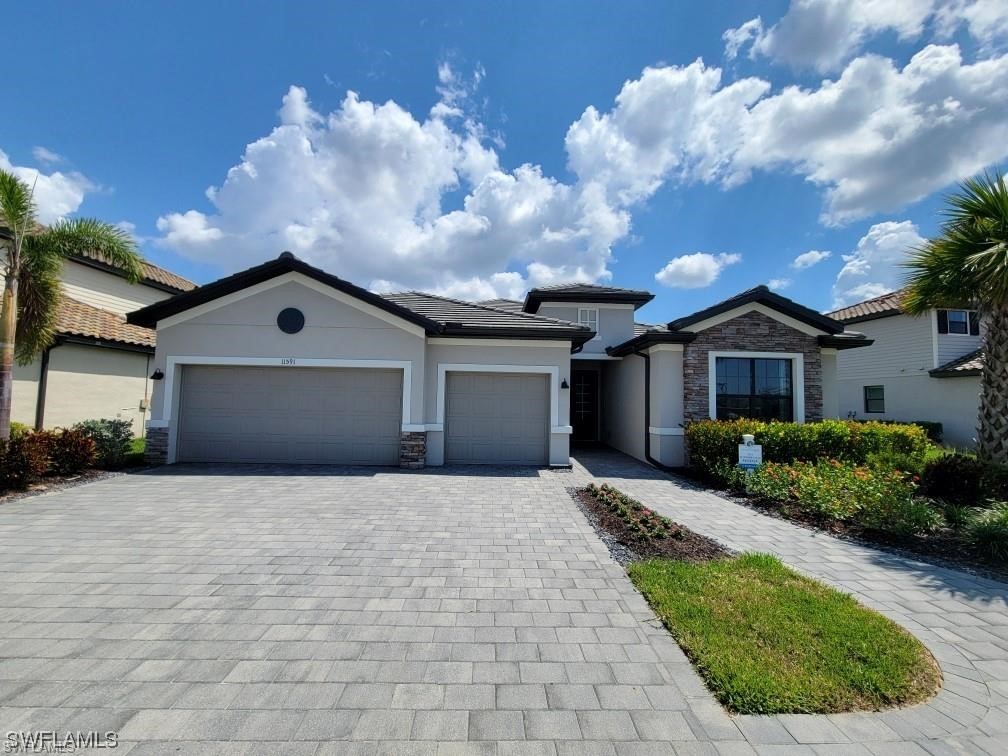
<point>241,610</point>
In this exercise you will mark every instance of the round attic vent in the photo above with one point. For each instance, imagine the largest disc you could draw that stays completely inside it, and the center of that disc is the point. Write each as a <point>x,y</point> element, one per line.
<point>290,320</point>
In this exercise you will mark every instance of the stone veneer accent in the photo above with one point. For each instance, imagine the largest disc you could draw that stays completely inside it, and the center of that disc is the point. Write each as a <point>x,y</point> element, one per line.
<point>156,449</point>
<point>752,332</point>
<point>413,450</point>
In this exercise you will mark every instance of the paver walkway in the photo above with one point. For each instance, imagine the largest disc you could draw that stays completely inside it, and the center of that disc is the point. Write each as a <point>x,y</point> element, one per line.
<point>319,610</point>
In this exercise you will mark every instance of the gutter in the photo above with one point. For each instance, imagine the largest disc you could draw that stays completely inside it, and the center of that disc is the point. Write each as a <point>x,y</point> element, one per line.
<point>40,395</point>
<point>647,416</point>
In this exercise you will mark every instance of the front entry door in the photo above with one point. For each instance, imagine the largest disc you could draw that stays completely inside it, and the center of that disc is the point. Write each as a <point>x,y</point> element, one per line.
<point>584,405</point>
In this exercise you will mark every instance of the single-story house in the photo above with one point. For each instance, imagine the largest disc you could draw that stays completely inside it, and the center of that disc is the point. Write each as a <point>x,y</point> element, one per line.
<point>98,366</point>
<point>923,367</point>
<point>284,362</point>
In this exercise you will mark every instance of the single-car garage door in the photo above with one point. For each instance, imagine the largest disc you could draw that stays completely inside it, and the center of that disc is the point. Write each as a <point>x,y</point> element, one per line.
<point>302,415</point>
<point>496,418</point>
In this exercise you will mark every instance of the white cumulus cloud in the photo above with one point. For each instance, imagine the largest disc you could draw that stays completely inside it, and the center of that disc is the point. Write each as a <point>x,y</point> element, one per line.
<point>56,194</point>
<point>810,258</point>
<point>696,270</point>
<point>45,155</point>
<point>874,267</point>
<point>824,34</point>
<point>779,283</point>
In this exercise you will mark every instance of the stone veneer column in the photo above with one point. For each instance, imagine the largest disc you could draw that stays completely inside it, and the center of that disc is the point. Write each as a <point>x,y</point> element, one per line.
<point>413,450</point>
<point>156,448</point>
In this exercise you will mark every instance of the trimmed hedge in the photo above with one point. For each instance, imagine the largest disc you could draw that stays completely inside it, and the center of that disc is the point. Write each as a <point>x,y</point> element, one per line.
<point>713,444</point>
<point>30,456</point>
<point>113,440</point>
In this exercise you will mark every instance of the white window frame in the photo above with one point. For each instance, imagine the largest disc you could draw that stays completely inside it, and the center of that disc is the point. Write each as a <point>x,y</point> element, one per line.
<point>593,313</point>
<point>797,372</point>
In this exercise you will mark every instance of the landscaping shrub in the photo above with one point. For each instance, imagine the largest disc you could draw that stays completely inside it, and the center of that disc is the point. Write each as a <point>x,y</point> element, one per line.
<point>135,456</point>
<point>954,477</point>
<point>71,451</point>
<point>988,533</point>
<point>712,443</point>
<point>24,459</point>
<point>19,429</point>
<point>830,489</point>
<point>935,431</point>
<point>995,482</point>
<point>909,464</point>
<point>958,516</point>
<point>112,440</point>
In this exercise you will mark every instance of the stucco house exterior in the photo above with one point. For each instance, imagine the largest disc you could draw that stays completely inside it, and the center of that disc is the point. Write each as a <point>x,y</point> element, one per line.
<point>284,362</point>
<point>98,365</point>
<point>919,368</point>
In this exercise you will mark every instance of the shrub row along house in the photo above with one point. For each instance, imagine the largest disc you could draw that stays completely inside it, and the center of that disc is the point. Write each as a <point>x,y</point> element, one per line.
<point>919,368</point>
<point>284,362</point>
<point>98,365</point>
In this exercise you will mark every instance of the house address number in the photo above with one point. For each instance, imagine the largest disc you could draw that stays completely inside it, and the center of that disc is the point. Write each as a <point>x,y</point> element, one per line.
<point>288,361</point>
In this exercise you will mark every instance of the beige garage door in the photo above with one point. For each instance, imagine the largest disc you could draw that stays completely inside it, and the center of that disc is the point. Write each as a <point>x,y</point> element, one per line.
<point>303,415</point>
<point>496,418</point>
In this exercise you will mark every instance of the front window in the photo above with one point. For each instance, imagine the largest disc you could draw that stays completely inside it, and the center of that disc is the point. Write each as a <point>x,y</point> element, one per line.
<point>874,398</point>
<point>588,316</point>
<point>959,321</point>
<point>754,387</point>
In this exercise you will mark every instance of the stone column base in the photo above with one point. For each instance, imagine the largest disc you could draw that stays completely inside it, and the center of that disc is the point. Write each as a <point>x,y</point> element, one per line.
<point>156,449</point>
<point>413,450</point>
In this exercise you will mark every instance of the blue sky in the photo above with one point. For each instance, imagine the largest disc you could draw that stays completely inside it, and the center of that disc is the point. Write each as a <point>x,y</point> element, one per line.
<point>493,147</point>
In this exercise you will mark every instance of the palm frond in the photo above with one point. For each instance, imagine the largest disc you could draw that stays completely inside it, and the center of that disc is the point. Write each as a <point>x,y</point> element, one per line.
<point>39,292</point>
<point>73,235</point>
<point>17,210</point>
<point>967,263</point>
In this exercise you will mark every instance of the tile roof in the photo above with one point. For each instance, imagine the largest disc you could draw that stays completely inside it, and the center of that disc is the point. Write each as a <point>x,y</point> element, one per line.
<point>968,364</point>
<point>870,309</point>
<point>640,328</point>
<point>150,272</point>
<point>584,292</point>
<point>74,318</point>
<point>512,305</point>
<point>471,315</point>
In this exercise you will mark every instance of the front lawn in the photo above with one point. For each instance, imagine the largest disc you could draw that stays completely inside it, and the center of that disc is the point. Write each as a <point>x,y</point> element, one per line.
<point>768,640</point>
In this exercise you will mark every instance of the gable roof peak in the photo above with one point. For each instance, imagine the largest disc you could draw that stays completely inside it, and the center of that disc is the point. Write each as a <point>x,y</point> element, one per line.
<point>761,295</point>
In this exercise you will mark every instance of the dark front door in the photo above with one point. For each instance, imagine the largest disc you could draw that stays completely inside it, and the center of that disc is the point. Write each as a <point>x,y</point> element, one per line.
<point>584,405</point>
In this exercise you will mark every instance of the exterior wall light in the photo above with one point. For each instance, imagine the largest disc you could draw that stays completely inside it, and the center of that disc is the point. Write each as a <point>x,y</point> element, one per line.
<point>563,384</point>
<point>157,375</point>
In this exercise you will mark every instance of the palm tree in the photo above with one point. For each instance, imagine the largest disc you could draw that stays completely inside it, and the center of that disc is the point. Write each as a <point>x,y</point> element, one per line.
<point>33,255</point>
<point>967,264</point>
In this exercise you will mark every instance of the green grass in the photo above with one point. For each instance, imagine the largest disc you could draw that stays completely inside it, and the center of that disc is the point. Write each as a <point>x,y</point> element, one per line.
<point>135,456</point>
<point>768,640</point>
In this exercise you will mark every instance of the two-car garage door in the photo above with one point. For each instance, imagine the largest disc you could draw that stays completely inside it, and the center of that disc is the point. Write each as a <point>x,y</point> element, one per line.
<point>278,414</point>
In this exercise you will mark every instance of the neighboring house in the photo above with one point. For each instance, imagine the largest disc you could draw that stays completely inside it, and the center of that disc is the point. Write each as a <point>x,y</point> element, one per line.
<point>98,365</point>
<point>286,363</point>
<point>919,368</point>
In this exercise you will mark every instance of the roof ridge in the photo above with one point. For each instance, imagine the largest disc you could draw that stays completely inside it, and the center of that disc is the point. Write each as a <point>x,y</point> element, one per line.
<point>491,309</point>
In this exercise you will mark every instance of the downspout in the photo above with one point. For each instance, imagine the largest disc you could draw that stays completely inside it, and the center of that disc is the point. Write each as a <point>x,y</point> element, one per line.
<point>40,396</point>
<point>647,415</point>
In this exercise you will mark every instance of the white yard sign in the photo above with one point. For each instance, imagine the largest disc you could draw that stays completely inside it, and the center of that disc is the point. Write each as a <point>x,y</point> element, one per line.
<point>750,456</point>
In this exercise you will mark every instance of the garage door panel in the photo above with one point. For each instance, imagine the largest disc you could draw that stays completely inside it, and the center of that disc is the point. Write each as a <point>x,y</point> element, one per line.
<point>301,415</point>
<point>496,418</point>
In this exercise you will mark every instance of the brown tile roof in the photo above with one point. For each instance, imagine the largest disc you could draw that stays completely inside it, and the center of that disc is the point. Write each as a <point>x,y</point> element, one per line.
<point>968,364</point>
<point>870,309</point>
<point>151,273</point>
<point>78,319</point>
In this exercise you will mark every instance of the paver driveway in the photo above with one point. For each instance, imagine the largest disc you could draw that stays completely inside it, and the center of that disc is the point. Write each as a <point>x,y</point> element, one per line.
<point>325,610</point>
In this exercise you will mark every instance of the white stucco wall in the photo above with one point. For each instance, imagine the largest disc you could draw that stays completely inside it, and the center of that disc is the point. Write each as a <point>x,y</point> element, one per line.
<point>25,392</point>
<point>87,383</point>
<point>623,405</point>
<point>246,328</point>
<point>615,322</point>
<point>952,402</point>
<point>830,390</point>
<point>667,440</point>
<point>543,355</point>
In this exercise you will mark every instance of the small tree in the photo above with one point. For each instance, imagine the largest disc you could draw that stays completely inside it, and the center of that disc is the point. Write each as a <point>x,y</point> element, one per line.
<point>32,255</point>
<point>967,264</point>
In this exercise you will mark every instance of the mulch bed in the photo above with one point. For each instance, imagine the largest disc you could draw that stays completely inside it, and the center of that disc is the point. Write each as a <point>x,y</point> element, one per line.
<point>628,545</point>
<point>58,483</point>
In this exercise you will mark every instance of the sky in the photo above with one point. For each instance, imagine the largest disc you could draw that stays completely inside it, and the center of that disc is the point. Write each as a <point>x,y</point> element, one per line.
<point>479,149</point>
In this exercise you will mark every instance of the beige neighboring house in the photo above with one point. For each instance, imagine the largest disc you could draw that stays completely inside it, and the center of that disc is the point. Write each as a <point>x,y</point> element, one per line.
<point>919,368</point>
<point>98,365</point>
<point>285,362</point>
